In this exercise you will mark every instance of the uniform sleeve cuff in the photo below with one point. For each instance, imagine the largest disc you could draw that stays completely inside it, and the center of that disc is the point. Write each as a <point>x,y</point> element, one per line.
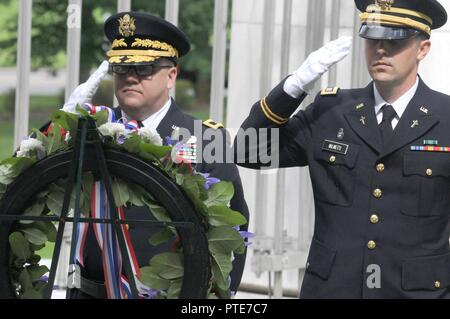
<point>278,106</point>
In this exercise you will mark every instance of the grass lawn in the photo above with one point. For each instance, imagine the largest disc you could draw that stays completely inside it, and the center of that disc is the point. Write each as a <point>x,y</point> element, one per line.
<point>37,102</point>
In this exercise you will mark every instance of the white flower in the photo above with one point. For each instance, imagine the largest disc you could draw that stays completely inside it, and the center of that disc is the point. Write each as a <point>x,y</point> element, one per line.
<point>30,144</point>
<point>112,129</point>
<point>150,135</point>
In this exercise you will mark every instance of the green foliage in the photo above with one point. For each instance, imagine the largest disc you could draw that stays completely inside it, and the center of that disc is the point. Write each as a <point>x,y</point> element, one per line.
<point>161,237</point>
<point>150,278</point>
<point>8,32</point>
<point>221,267</point>
<point>19,245</point>
<point>120,191</point>
<point>34,210</point>
<point>224,216</point>
<point>68,121</point>
<point>35,236</point>
<point>55,141</point>
<point>168,265</point>
<point>220,194</point>
<point>223,239</point>
<point>49,31</point>
<point>196,19</point>
<point>25,263</point>
<point>10,168</point>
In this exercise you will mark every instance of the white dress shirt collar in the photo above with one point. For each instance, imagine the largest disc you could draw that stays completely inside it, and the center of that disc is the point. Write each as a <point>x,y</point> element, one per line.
<point>399,105</point>
<point>155,119</point>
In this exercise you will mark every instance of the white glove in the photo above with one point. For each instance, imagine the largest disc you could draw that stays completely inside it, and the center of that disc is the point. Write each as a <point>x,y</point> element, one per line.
<point>85,91</point>
<point>317,63</point>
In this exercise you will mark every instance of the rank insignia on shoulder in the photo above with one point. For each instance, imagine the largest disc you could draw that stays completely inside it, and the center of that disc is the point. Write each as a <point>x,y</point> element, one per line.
<point>211,124</point>
<point>331,91</point>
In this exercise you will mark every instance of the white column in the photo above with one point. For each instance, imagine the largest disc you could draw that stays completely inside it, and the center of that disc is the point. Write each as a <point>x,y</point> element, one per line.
<point>73,45</point>
<point>265,86</point>
<point>315,29</point>
<point>172,12</point>
<point>334,34</point>
<point>360,76</point>
<point>22,104</point>
<point>123,5</point>
<point>74,10</point>
<point>281,173</point>
<point>219,60</point>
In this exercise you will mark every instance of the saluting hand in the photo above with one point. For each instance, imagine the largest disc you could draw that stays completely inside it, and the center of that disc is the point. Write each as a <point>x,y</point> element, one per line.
<point>316,64</point>
<point>85,91</point>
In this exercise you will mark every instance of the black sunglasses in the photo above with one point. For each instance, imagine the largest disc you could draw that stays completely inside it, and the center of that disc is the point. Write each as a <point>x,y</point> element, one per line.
<point>140,70</point>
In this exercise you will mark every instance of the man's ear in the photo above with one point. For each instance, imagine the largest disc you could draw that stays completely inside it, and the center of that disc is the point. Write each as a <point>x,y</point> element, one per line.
<point>172,75</point>
<point>424,49</point>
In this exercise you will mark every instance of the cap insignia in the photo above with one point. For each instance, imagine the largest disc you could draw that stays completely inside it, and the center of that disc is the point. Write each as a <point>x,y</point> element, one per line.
<point>118,43</point>
<point>127,25</point>
<point>384,4</point>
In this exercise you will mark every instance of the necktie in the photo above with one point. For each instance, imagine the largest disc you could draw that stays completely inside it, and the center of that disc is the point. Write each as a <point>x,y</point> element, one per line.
<point>386,124</point>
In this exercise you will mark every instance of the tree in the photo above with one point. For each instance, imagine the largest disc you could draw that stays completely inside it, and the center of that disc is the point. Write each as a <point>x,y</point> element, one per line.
<point>8,32</point>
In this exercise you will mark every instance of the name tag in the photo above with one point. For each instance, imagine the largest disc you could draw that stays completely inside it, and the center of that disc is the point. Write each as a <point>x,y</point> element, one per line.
<point>335,147</point>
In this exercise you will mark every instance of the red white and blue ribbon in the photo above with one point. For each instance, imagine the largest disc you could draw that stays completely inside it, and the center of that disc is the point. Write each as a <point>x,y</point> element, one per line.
<point>129,246</point>
<point>132,125</point>
<point>92,109</point>
<point>107,240</point>
<point>82,230</point>
<point>117,285</point>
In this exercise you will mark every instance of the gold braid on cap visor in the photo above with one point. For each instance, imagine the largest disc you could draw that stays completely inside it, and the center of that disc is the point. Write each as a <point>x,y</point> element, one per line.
<point>136,56</point>
<point>375,15</point>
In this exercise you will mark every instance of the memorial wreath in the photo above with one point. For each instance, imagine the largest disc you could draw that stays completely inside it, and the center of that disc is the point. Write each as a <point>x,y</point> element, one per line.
<point>163,276</point>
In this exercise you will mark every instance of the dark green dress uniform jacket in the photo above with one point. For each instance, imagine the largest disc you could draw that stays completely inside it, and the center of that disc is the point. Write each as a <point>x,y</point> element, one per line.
<point>140,235</point>
<point>377,206</point>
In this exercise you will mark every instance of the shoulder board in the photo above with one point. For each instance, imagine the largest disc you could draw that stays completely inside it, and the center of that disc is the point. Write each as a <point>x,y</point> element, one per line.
<point>211,124</point>
<point>332,91</point>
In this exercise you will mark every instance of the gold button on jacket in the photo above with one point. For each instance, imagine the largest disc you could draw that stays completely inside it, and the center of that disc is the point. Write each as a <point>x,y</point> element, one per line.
<point>374,219</point>
<point>377,193</point>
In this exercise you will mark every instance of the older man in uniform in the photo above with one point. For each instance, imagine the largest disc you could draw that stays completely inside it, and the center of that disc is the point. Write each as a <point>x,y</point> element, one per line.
<point>379,160</point>
<point>143,59</point>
